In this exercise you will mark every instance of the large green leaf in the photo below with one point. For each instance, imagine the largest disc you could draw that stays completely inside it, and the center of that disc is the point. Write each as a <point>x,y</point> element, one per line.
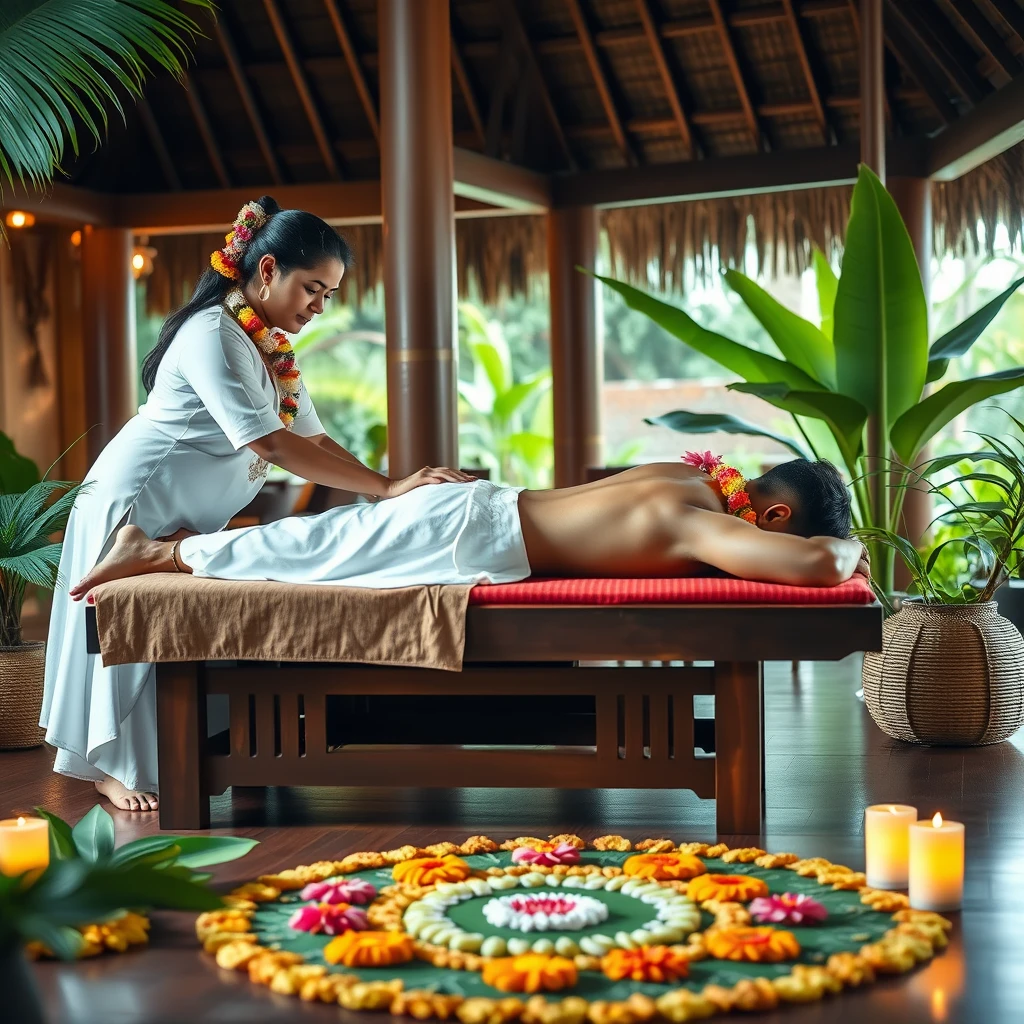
<point>715,422</point>
<point>144,850</point>
<point>511,401</point>
<point>17,473</point>
<point>94,835</point>
<point>757,367</point>
<point>803,344</point>
<point>912,431</point>
<point>881,317</point>
<point>62,843</point>
<point>827,284</point>
<point>957,341</point>
<point>844,416</point>
<point>203,851</point>
<point>63,62</point>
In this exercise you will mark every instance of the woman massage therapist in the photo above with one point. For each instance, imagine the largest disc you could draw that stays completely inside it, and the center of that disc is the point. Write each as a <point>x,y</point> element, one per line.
<point>225,402</point>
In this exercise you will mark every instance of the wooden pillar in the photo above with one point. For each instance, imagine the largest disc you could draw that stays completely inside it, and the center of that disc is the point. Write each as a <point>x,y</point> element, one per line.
<point>872,87</point>
<point>108,333</point>
<point>417,180</point>
<point>913,198</point>
<point>577,352</point>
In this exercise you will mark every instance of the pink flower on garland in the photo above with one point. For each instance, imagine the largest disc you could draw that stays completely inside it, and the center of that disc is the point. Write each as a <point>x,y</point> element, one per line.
<point>330,918</point>
<point>789,908</point>
<point>546,854</point>
<point>704,461</point>
<point>348,890</point>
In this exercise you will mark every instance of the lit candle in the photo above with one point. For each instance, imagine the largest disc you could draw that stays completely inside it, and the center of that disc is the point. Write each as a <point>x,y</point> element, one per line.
<point>936,864</point>
<point>24,845</point>
<point>887,845</point>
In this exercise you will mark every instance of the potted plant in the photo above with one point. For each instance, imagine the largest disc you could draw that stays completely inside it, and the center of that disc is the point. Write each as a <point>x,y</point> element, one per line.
<point>868,362</point>
<point>30,515</point>
<point>88,881</point>
<point>951,668</point>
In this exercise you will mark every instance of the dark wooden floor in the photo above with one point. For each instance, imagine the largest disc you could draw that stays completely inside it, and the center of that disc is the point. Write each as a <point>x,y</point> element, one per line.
<point>825,762</point>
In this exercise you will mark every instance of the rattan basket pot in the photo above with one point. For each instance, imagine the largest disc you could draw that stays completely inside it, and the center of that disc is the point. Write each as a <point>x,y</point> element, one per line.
<point>21,695</point>
<point>947,675</point>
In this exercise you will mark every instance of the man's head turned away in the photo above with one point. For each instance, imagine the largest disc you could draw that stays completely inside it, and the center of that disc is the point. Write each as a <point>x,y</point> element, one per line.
<point>809,499</point>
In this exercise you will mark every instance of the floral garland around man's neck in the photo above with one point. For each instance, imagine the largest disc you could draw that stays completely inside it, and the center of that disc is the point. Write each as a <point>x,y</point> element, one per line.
<point>278,350</point>
<point>729,480</point>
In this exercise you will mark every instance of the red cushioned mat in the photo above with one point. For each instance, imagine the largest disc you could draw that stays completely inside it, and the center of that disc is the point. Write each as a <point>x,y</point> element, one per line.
<point>694,590</point>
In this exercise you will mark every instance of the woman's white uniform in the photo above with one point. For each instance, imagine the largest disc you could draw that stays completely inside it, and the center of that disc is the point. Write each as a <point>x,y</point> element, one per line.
<point>182,462</point>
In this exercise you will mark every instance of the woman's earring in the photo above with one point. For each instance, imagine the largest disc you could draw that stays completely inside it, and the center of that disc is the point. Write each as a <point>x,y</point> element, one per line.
<point>265,293</point>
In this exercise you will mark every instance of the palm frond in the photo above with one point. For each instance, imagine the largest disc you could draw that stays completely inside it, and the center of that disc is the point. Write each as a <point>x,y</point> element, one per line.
<point>62,63</point>
<point>37,567</point>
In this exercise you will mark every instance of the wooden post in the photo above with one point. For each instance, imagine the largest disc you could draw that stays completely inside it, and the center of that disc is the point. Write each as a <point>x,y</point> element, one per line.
<point>577,352</point>
<point>739,748</point>
<point>108,333</point>
<point>913,198</point>
<point>872,87</point>
<point>417,180</point>
<point>181,746</point>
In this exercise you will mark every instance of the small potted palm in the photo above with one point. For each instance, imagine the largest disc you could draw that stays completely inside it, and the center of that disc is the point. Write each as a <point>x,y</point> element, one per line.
<point>32,511</point>
<point>951,669</point>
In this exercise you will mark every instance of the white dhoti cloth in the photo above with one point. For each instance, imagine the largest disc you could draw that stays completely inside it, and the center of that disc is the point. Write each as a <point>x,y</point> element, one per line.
<point>435,534</point>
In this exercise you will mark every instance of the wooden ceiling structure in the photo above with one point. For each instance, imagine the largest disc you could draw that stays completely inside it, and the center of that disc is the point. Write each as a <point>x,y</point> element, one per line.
<point>565,108</point>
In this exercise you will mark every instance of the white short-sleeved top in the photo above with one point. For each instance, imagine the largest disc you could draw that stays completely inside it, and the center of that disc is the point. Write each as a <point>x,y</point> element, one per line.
<point>212,389</point>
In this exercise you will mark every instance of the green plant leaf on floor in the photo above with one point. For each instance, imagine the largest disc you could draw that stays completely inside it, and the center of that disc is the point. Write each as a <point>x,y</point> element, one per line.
<point>93,836</point>
<point>62,843</point>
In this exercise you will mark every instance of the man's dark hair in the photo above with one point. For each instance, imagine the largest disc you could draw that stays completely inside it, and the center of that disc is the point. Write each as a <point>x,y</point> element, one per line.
<point>822,501</point>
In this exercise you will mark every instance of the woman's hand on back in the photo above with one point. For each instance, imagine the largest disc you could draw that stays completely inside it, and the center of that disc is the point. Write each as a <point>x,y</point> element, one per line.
<point>427,475</point>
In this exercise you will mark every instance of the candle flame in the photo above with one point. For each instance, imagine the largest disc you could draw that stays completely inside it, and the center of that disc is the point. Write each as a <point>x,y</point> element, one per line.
<point>938,1005</point>
<point>21,821</point>
<point>937,820</point>
<point>892,809</point>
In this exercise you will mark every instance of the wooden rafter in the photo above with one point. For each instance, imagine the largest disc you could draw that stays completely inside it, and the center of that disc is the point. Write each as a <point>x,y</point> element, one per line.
<point>725,35</point>
<point>195,101</point>
<point>924,27</point>
<point>526,43</point>
<point>227,46</point>
<point>671,91</point>
<point>597,72</point>
<point>355,69</point>
<point>466,88</point>
<point>901,48</point>
<point>988,38</point>
<point>156,139</point>
<point>813,88</point>
<point>1012,14</point>
<point>302,87</point>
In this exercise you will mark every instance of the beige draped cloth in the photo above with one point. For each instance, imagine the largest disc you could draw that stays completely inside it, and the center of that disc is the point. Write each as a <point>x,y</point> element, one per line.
<point>166,617</point>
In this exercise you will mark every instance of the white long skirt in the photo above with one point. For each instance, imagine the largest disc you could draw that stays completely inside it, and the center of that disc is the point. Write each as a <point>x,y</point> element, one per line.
<point>436,534</point>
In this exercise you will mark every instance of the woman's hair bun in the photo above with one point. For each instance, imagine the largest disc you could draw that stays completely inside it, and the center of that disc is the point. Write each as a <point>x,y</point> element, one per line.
<point>269,204</point>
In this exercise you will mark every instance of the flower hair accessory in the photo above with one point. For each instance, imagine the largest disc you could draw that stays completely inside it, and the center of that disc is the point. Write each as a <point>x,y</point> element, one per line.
<point>729,480</point>
<point>228,260</point>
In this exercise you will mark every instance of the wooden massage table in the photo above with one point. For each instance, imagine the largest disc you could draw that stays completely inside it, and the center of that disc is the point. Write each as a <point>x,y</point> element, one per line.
<point>531,640</point>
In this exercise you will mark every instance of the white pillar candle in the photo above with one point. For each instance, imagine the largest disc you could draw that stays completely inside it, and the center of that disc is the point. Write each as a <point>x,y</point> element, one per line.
<point>24,845</point>
<point>887,845</point>
<point>936,864</point>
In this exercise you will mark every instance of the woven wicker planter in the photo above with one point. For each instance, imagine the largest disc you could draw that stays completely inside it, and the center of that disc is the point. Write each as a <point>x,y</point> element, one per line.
<point>947,675</point>
<point>21,695</point>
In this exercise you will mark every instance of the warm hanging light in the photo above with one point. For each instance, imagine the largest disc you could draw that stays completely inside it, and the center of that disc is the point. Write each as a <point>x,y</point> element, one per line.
<point>19,219</point>
<point>76,238</point>
<point>142,259</point>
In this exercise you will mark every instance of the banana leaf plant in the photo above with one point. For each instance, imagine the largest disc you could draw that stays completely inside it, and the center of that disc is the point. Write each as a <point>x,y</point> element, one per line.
<point>862,373</point>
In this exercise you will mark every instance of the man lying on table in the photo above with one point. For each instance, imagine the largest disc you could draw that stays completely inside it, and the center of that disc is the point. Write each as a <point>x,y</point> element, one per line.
<point>790,525</point>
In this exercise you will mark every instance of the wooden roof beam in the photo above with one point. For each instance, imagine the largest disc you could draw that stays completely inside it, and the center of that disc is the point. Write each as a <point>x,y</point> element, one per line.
<point>156,139</point>
<point>725,35</point>
<point>227,46</point>
<point>802,53</point>
<point>671,90</point>
<point>991,128</point>
<point>355,69</point>
<point>500,183</point>
<point>716,177</point>
<point>468,93</point>
<point>64,204</point>
<point>903,51</point>
<point>195,101</point>
<point>597,73</point>
<point>516,22</point>
<point>302,87</point>
<point>1012,14</point>
<point>988,38</point>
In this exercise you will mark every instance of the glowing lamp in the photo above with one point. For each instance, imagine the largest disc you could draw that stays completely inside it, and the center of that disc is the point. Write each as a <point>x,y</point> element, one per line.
<point>19,219</point>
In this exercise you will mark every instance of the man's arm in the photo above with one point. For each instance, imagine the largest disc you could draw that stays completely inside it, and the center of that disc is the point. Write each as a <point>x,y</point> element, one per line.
<point>738,548</point>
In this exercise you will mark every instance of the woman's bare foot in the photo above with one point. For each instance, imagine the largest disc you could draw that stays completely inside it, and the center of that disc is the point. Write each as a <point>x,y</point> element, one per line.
<point>133,554</point>
<point>127,799</point>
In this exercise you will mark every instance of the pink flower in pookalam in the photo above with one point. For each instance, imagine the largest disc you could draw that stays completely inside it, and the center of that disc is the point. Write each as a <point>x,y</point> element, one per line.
<point>349,890</point>
<point>788,908</point>
<point>546,855</point>
<point>330,918</point>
